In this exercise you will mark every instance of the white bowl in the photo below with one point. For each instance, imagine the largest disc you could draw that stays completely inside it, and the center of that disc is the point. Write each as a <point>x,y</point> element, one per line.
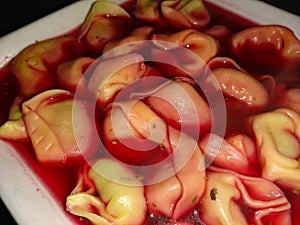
<point>22,190</point>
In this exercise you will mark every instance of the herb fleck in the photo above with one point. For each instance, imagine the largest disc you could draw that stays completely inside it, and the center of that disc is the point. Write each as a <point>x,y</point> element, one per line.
<point>213,193</point>
<point>195,199</point>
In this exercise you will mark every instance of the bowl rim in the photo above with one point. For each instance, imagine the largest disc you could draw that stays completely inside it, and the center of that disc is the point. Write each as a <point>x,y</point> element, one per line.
<point>19,185</point>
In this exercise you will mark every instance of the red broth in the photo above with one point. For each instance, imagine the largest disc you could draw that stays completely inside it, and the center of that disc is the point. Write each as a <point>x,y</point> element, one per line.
<point>60,182</point>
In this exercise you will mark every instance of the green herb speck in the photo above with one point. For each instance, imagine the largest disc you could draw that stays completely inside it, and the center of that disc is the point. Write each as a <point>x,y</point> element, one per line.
<point>195,199</point>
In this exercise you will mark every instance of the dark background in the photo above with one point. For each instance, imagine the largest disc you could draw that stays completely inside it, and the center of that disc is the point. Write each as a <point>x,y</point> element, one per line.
<point>17,13</point>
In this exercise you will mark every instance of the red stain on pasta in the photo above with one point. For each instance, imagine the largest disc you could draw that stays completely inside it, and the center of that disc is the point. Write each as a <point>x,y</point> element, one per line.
<point>160,112</point>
